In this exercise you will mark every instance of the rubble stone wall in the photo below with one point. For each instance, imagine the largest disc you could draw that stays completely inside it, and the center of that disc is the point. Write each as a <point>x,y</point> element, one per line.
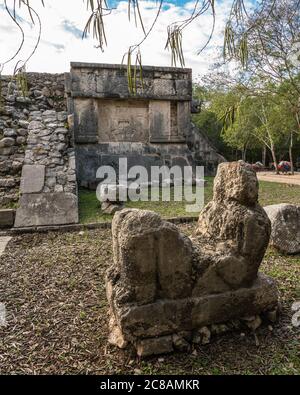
<point>44,92</point>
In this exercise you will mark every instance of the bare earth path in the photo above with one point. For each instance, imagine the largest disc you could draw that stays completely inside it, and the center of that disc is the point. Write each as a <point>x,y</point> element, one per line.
<point>284,179</point>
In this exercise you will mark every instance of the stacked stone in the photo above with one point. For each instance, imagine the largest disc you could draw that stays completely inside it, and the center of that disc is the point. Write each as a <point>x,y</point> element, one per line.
<point>13,137</point>
<point>50,145</point>
<point>45,91</point>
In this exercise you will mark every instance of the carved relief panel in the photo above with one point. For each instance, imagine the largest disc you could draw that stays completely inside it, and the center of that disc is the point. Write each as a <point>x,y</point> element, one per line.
<point>121,121</point>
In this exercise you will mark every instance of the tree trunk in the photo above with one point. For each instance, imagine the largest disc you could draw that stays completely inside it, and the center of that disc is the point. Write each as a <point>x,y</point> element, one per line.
<point>244,154</point>
<point>264,156</point>
<point>274,159</point>
<point>291,154</point>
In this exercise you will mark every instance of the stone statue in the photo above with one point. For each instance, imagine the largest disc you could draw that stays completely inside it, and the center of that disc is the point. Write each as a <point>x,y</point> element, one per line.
<point>165,289</point>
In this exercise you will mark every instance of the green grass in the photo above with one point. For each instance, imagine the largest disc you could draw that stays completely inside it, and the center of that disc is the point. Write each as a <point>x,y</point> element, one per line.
<point>270,193</point>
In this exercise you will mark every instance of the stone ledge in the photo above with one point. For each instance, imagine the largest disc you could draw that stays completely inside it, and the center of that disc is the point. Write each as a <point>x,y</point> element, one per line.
<point>81,227</point>
<point>167,317</point>
<point>80,65</point>
<point>140,96</point>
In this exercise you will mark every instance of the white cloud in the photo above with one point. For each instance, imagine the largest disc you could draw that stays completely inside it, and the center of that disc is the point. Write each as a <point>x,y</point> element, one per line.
<point>62,20</point>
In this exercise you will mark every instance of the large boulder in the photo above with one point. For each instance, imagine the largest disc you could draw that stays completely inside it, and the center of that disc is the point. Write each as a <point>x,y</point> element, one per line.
<point>285,220</point>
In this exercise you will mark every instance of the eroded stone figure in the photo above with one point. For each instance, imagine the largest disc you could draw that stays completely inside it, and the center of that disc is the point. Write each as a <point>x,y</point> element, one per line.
<point>233,232</point>
<point>165,289</point>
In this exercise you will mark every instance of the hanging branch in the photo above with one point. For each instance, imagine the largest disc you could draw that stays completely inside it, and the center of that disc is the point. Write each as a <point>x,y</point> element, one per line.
<point>174,40</point>
<point>20,67</point>
<point>15,21</point>
<point>135,49</point>
<point>95,23</point>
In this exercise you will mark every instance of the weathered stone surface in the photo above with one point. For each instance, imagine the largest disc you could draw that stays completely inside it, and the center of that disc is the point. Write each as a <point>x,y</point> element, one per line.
<point>47,209</point>
<point>155,346</point>
<point>233,232</point>
<point>17,114</point>
<point>7,142</point>
<point>180,344</point>
<point>110,123</point>
<point>7,218</point>
<point>103,81</point>
<point>154,258</point>
<point>162,285</point>
<point>165,317</point>
<point>285,220</point>
<point>32,179</point>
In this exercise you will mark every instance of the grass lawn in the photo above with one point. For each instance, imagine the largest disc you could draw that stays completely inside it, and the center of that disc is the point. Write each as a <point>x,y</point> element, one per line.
<point>53,286</point>
<point>270,193</point>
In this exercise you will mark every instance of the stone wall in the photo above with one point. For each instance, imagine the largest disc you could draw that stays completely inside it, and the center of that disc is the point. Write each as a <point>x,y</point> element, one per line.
<point>150,128</point>
<point>49,145</point>
<point>45,92</point>
<point>106,123</point>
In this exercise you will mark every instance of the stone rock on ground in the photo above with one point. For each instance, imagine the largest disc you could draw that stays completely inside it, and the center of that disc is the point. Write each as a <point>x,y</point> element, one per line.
<point>285,220</point>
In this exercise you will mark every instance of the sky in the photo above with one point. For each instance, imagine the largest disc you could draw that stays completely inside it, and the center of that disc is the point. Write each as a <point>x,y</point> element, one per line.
<point>64,20</point>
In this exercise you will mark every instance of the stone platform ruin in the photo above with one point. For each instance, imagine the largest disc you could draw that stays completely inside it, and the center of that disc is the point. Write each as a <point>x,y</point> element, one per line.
<point>54,139</point>
<point>166,290</point>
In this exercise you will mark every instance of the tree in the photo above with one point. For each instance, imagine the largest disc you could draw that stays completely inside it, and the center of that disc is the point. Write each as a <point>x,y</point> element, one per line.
<point>269,46</point>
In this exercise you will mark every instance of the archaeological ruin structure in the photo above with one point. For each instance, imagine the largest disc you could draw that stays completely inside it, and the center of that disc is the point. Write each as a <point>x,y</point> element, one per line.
<point>57,135</point>
<point>166,290</point>
<point>151,127</point>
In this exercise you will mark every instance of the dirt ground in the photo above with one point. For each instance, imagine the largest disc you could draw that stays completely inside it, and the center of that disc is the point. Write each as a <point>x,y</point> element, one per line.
<point>281,178</point>
<point>53,286</point>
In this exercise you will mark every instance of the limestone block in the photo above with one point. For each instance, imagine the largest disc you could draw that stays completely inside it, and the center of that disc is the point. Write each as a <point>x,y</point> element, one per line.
<point>45,209</point>
<point>32,179</point>
<point>285,220</point>
<point>183,87</point>
<point>123,120</point>
<point>183,118</point>
<point>164,87</point>
<point>160,120</point>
